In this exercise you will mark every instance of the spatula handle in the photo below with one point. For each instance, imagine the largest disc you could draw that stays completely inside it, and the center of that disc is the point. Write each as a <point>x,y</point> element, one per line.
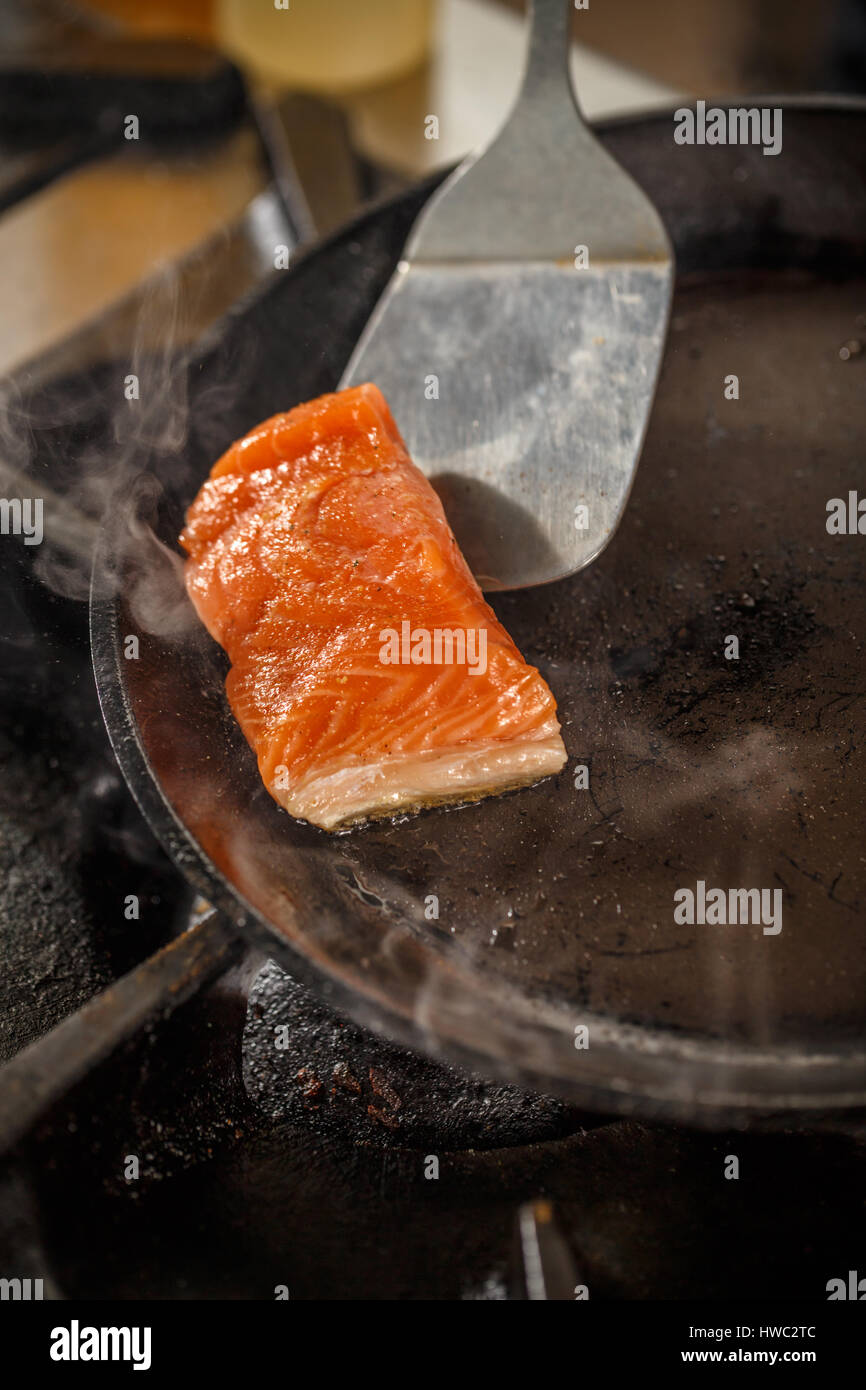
<point>545,186</point>
<point>546,70</point>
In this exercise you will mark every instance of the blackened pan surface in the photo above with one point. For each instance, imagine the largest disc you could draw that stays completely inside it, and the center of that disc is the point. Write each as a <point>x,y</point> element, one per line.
<point>556,904</point>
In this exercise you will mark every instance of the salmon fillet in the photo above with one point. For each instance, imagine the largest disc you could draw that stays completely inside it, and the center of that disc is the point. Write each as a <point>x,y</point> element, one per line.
<point>367,672</point>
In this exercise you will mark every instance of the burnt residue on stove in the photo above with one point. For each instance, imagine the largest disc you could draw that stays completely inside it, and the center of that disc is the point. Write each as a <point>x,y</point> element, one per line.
<point>304,1063</point>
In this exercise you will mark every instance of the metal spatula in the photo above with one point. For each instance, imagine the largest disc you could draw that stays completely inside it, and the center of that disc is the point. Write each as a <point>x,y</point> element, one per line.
<point>519,341</point>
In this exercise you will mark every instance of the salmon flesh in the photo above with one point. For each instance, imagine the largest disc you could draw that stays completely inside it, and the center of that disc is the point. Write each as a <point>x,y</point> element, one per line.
<point>367,672</point>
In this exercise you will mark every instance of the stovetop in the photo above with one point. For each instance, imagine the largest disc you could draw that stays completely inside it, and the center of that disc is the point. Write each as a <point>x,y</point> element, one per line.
<point>280,1146</point>
<point>256,1141</point>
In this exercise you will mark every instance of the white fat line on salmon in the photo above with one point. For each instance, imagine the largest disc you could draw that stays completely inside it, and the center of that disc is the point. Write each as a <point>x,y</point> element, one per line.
<point>441,646</point>
<point>737,907</point>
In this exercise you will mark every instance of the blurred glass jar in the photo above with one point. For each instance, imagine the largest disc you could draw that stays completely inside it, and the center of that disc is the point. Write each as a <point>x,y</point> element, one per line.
<point>329,46</point>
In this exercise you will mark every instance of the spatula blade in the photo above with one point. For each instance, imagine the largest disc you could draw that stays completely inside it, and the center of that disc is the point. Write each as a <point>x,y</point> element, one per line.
<point>523,392</point>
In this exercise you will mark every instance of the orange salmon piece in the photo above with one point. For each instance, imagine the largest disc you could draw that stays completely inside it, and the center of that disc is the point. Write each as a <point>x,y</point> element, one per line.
<point>368,673</point>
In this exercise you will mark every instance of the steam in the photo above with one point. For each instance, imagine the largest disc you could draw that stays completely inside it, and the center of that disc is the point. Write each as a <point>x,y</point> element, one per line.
<point>92,445</point>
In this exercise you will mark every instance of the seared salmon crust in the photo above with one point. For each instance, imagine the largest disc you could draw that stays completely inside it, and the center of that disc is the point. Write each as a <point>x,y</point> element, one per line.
<point>368,673</point>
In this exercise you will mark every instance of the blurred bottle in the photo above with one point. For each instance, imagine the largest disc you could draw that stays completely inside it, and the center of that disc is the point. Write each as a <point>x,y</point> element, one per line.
<point>328,46</point>
<point>154,17</point>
